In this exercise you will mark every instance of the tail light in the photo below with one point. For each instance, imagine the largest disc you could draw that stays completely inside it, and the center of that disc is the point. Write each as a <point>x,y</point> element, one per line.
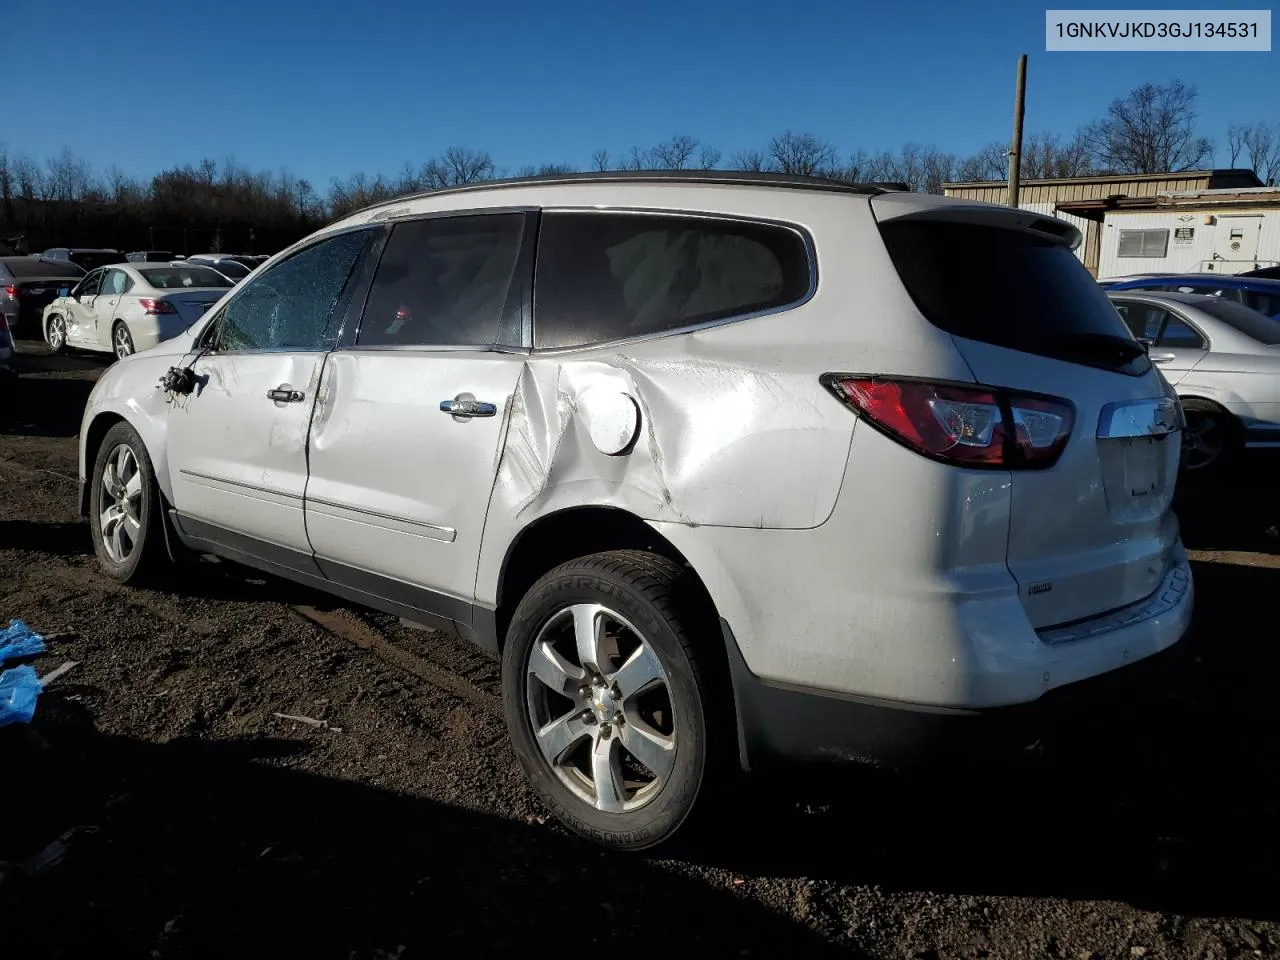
<point>13,290</point>
<point>155,307</point>
<point>961,424</point>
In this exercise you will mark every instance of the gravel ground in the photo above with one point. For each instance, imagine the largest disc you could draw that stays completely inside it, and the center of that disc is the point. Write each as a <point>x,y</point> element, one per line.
<point>204,825</point>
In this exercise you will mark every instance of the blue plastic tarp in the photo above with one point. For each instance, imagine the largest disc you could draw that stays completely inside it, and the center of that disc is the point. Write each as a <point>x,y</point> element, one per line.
<point>18,641</point>
<point>19,689</point>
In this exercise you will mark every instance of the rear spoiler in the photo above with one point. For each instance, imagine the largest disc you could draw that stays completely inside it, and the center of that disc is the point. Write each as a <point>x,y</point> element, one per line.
<point>920,206</point>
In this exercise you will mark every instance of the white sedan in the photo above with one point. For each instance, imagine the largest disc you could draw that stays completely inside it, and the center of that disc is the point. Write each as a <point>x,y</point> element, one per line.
<point>128,307</point>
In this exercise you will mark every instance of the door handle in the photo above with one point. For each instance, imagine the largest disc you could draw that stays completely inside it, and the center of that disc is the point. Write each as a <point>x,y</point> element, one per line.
<point>285,394</point>
<point>1162,357</point>
<point>467,407</point>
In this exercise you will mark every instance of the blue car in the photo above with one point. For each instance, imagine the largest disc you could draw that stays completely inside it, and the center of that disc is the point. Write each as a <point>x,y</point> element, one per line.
<point>1262,295</point>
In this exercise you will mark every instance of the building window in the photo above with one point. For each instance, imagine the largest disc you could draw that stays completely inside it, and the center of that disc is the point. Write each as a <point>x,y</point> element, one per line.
<point>1144,243</point>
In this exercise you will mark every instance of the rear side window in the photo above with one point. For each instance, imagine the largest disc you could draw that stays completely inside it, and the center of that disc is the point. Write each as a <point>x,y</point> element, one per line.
<point>1010,289</point>
<point>1267,303</point>
<point>1248,321</point>
<point>609,276</point>
<point>447,281</point>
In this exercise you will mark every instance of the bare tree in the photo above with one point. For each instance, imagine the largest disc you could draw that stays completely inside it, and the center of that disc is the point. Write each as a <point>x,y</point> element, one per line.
<point>1151,130</point>
<point>1259,145</point>
<point>637,159</point>
<point>989,163</point>
<point>802,153</point>
<point>674,154</point>
<point>1046,155</point>
<point>467,166</point>
<point>600,161</point>
<point>751,161</point>
<point>708,157</point>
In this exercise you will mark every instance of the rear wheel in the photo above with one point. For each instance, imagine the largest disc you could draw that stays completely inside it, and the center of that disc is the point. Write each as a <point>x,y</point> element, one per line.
<point>121,340</point>
<point>55,334</point>
<point>607,700</point>
<point>1210,439</point>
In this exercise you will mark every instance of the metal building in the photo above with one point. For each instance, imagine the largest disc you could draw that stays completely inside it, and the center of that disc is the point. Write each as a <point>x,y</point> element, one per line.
<point>1084,201</point>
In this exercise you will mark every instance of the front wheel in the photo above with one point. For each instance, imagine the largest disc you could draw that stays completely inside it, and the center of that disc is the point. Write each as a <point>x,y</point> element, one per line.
<point>55,334</point>
<point>607,699</point>
<point>125,508</point>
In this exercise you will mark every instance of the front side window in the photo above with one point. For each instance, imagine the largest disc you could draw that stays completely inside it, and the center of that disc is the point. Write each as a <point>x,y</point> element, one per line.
<point>447,281</point>
<point>294,305</point>
<point>615,276</point>
<point>1143,243</point>
<point>88,287</point>
<point>1143,320</point>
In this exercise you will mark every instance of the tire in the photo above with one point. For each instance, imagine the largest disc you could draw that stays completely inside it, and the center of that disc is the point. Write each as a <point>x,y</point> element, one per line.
<point>671,722</point>
<point>132,550</point>
<point>55,334</point>
<point>1211,441</point>
<point>121,341</point>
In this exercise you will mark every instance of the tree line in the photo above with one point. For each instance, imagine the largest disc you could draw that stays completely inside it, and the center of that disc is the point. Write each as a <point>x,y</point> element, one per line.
<point>213,206</point>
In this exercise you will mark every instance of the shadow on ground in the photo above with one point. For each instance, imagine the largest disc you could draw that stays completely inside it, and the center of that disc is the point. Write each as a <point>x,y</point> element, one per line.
<point>218,849</point>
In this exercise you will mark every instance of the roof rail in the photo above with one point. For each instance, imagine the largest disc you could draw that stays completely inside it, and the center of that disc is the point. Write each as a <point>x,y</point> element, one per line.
<point>707,177</point>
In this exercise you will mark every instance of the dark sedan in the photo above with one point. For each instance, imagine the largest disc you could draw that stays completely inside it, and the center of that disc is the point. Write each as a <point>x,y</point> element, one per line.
<point>28,285</point>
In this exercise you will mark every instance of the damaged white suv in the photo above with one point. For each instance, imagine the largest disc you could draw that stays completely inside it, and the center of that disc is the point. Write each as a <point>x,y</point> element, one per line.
<point>726,468</point>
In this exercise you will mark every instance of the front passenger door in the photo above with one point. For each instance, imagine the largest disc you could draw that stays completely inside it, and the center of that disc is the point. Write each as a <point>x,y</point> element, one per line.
<point>114,283</point>
<point>237,445</point>
<point>82,323</point>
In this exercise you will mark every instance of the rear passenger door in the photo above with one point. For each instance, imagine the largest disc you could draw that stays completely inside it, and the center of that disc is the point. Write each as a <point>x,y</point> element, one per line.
<point>406,437</point>
<point>1178,346</point>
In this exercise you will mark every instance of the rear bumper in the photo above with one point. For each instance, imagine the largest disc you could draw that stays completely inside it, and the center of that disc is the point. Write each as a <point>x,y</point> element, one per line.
<point>780,723</point>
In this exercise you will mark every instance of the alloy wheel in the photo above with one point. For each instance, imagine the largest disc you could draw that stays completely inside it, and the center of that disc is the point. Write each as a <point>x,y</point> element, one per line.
<point>120,513</point>
<point>1203,441</point>
<point>123,342</point>
<point>599,702</point>
<point>57,332</point>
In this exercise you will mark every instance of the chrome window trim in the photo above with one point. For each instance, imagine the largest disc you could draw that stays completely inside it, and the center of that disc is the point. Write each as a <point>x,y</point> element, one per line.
<point>811,255</point>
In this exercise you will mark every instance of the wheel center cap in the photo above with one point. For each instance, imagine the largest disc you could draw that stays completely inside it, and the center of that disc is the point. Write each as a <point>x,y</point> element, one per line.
<point>606,707</point>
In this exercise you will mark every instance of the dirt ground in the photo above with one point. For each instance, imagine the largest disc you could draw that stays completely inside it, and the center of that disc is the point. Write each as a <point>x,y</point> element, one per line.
<point>206,826</point>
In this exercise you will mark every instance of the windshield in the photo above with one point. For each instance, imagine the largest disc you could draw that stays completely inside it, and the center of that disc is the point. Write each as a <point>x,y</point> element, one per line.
<point>30,268</point>
<point>1248,321</point>
<point>174,278</point>
<point>96,258</point>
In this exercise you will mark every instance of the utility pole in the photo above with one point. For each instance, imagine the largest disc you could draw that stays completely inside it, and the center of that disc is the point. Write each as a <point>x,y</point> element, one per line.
<point>1015,149</point>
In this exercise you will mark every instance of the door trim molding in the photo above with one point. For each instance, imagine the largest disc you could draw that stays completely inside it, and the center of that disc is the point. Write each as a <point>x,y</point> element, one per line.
<point>196,476</point>
<point>419,528</point>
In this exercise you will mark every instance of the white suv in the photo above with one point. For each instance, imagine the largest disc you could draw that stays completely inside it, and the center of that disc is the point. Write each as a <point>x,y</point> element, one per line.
<point>726,468</point>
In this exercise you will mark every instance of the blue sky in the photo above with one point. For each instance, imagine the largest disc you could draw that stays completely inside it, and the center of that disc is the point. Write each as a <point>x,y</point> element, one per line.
<point>325,89</point>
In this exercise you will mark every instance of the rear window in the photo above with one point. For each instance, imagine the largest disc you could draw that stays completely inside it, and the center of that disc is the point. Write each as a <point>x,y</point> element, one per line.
<point>31,268</point>
<point>1245,319</point>
<point>236,271</point>
<point>173,278</point>
<point>610,276</point>
<point>1010,289</point>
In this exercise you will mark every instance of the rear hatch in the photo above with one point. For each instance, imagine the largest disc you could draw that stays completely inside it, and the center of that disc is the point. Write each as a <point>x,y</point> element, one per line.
<point>1094,531</point>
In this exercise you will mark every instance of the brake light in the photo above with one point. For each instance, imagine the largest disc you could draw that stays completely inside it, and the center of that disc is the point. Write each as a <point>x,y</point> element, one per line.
<point>965,425</point>
<point>12,290</point>
<point>154,307</point>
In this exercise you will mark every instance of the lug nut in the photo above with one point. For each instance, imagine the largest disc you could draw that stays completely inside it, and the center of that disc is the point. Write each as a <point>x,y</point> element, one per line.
<point>605,731</point>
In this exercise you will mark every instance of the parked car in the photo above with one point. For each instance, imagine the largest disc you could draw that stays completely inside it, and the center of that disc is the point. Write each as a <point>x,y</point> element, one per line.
<point>1222,357</point>
<point>86,258</point>
<point>746,470</point>
<point>130,307</point>
<point>229,267</point>
<point>150,256</point>
<point>1261,295</point>
<point>28,284</point>
<point>1265,273</point>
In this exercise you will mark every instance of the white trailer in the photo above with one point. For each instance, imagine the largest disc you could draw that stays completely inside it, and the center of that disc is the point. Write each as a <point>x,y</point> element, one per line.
<point>1193,232</point>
